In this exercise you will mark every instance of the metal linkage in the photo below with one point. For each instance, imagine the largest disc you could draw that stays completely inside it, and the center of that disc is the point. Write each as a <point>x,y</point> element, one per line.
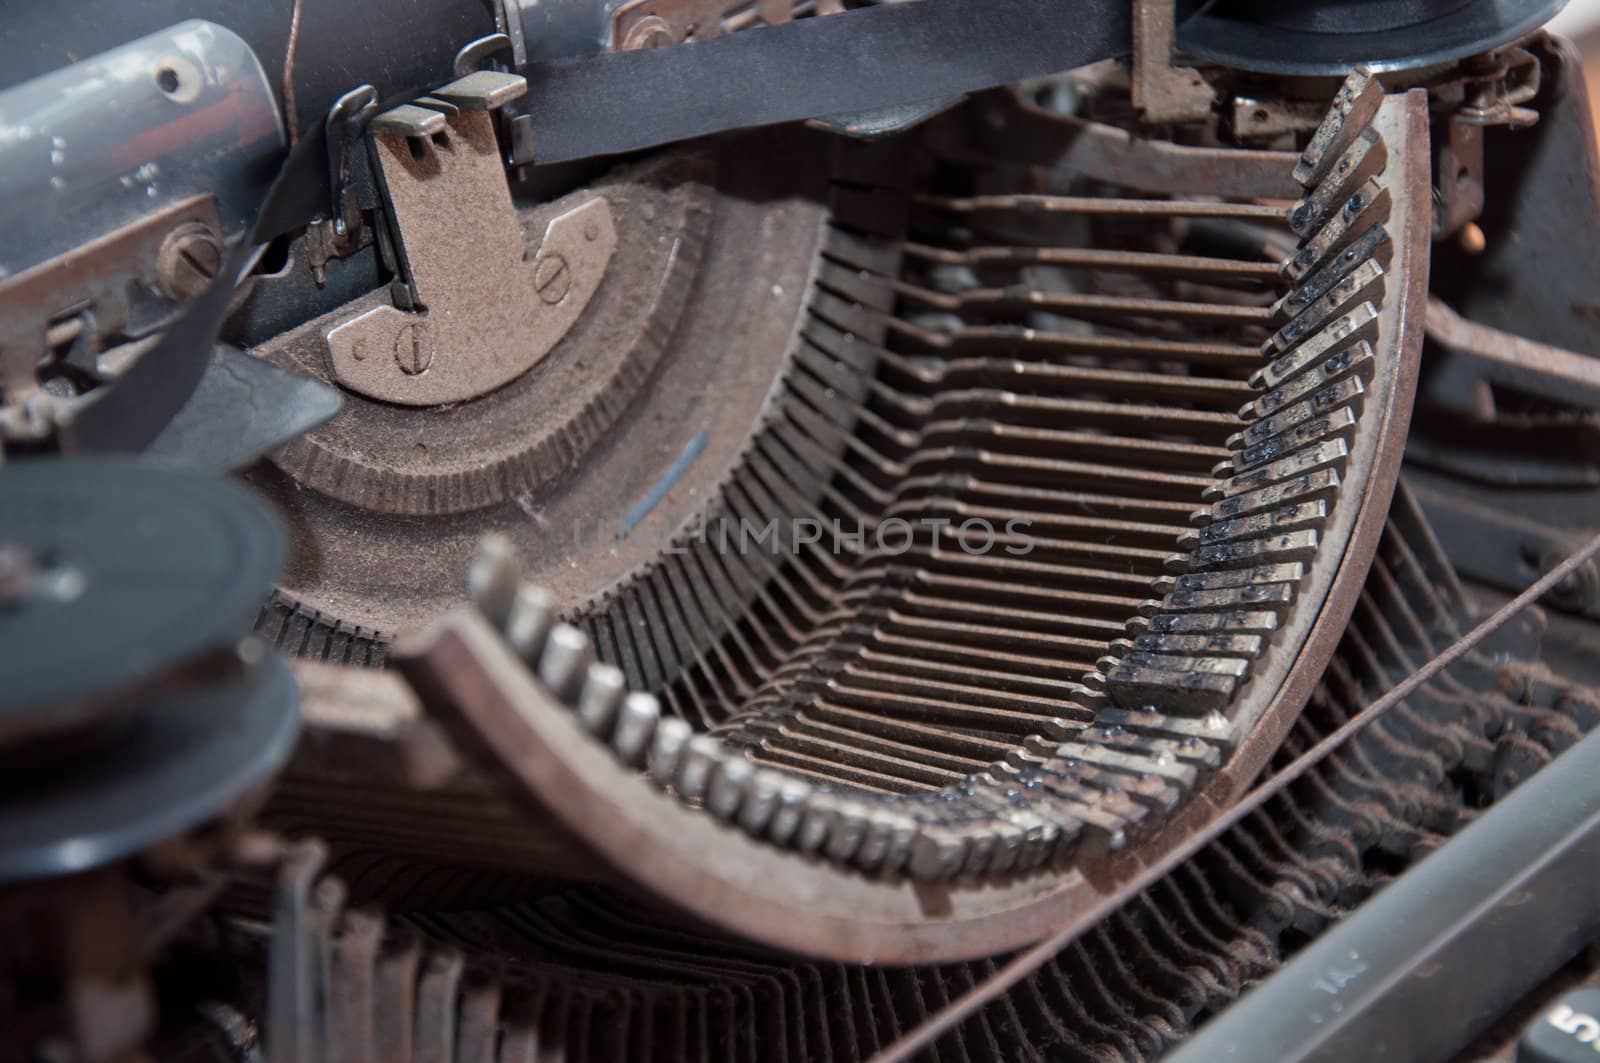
<point>938,711</point>
<point>640,24</point>
<point>1394,777</point>
<point>345,985</point>
<point>1276,494</point>
<point>602,976</point>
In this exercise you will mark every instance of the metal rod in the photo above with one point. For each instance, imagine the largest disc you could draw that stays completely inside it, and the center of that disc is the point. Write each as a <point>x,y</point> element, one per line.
<point>1025,963</point>
<point>1551,371</point>
<point>1105,205</point>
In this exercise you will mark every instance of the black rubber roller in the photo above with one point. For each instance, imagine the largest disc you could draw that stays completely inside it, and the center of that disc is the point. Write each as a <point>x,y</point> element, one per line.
<point>112,572</point>
<point>146,776</point>
<point>1331,37</point>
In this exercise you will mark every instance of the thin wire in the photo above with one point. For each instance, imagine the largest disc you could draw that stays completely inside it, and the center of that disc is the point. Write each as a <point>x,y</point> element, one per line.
<point>290,117</point>
<point>1025,963</point>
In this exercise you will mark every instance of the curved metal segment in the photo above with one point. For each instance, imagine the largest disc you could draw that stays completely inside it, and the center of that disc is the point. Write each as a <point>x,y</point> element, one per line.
<point>466,674</point>
<point>853,879</point>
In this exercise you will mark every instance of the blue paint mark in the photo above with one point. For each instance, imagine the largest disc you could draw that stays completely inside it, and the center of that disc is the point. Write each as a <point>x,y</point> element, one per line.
<point>642,508</point>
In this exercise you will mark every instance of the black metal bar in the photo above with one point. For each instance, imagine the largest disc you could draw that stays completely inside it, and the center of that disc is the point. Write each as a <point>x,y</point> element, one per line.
<point>1448,947</point>
<point>864,60</point>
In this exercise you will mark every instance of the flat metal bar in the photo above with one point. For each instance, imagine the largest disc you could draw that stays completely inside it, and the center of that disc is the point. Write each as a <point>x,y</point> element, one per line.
<point>1197,266</point>
<point>1105,205</point>
<point>875,57</point>
<point>1551,372</point>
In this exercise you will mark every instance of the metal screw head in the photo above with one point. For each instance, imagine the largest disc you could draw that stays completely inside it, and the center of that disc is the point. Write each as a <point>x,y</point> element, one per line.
<point>551,278</point>
<point>188,261</point>
<point>413,348</point>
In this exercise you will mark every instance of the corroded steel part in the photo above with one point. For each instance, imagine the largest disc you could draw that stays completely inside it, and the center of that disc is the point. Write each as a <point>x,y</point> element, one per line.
<point>1198,938</point>
<point>935,767</point>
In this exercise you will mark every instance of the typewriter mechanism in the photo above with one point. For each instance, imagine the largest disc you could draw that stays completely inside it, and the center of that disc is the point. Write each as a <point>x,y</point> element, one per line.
<point>798,530</point>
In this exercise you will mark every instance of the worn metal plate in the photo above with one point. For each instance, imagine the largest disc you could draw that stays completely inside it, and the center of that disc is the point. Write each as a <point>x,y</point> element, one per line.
<point>485,313</point>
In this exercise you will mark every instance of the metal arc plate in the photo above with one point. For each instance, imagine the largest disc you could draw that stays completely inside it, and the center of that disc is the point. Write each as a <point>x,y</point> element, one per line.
<point>800,902</point>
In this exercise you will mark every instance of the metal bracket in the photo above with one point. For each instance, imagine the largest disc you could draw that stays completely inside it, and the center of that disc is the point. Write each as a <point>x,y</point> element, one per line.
<point>640,24</point>
<point>1162,91</point>
<point>484,310</point>
<point>96,277</point>
<point>346,155</point>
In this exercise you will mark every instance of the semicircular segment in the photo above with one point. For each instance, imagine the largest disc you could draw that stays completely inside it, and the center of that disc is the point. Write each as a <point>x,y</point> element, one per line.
<point>928,752</point>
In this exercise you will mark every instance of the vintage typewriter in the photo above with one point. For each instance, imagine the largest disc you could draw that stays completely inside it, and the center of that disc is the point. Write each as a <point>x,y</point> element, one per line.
<point>562,530</point>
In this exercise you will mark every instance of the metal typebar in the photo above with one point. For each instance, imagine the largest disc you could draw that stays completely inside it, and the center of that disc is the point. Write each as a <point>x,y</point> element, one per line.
<point>1553,372</point>
<point>1030,960</point>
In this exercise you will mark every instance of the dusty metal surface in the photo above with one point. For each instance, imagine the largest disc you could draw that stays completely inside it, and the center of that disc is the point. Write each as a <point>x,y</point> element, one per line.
<point>594,974</point>
<point>1023,132</point>
<point>734,687</point>
<point>705,285</point>
<point>485,308</point>
<point>841,769</point>
<point>1162,90</point>
<point>1528,365</point>
<point>1541,234</point>
<point>1375,794</point>
<point>1355,725</point>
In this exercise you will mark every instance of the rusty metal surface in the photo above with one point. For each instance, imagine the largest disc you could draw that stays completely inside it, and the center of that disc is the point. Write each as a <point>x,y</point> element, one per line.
<point>1417,678</point>
<point>1021,131</point>
<point>915,756</point>
<point>594,974</point>
<point>1403,121</point>
<point>781,802</point>
<point>365,723</point>
<point>1534,277</point>
<point>1527,365</point>
<point>520,719</point>
<point>98,279</point>
<point>1162,90</point>
<point>1507,545</point>
<point>1486,91</point>
<point>81,937</point>
<point>403,817</point>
